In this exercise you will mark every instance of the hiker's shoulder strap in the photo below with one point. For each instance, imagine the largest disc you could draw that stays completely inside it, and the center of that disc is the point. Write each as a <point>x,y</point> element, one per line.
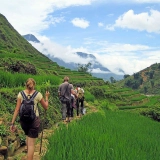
<point>34,95</point>
<point>23,95</point>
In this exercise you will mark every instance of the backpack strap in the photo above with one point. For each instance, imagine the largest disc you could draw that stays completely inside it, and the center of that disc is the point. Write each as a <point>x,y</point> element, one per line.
<point>23,95</point>
<point>32,97</point>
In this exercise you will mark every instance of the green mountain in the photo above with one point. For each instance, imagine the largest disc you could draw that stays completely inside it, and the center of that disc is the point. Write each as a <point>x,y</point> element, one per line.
<point>19,56</point>
<point>146,81</point>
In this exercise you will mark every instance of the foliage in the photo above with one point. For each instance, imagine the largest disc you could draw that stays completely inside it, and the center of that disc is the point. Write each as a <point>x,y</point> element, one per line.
<point>3,130</point>
<point>84,68</point>
<point>108,106</point>
<point>89,97</point>
<point>97,92</point>
<point>93,130</point>
<point>146,81</point>
<point>153,113</point>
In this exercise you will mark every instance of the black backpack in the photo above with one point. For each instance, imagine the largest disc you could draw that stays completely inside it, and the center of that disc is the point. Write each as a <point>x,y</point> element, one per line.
<point>27,113</point>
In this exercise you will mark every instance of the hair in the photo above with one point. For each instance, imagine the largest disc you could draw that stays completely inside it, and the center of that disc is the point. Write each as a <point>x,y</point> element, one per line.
<point>66,79</point>
<point>30,83</point>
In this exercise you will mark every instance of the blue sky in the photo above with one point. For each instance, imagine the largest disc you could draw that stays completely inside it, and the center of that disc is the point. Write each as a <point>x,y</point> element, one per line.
<point>119,33</point>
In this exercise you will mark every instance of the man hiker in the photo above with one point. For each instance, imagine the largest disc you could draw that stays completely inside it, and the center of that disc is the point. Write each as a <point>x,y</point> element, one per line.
<point>64,91</point>
<point>80,100</point>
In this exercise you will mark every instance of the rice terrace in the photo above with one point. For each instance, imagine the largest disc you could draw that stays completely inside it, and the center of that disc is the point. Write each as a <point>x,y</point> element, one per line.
<point>121,122</point>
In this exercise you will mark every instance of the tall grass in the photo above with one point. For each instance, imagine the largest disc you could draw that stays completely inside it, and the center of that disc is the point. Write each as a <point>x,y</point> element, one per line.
<point>108,136</point>
<point>18,79</point>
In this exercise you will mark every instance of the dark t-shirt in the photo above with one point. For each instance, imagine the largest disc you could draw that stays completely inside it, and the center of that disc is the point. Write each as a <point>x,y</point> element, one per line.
<point>65,89</point>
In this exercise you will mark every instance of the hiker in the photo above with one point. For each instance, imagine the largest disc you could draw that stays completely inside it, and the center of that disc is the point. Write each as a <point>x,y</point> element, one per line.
<point>80,100</point>
<point>30,129</point>
<point>73,105</point>
<point>64,93</point>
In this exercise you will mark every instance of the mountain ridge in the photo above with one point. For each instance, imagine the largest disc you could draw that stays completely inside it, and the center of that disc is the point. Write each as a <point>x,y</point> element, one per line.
<point>98,69</point>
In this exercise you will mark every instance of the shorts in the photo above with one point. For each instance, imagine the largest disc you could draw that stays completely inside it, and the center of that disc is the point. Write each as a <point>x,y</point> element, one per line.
<point>31,130</point>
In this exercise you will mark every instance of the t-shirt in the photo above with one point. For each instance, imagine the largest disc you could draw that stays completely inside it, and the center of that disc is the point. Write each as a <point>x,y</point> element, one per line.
<point>65,89</point>
<point>37,99</point>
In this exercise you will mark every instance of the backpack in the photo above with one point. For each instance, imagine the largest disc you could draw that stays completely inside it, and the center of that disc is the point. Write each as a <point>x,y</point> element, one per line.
<point>27,113</point>
<point>80,94</point>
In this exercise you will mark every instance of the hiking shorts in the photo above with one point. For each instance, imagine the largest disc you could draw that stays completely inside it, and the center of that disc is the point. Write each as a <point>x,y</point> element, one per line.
<point>31,130</point>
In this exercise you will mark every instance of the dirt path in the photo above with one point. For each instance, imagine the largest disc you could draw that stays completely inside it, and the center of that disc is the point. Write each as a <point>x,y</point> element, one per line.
<point>21,153</point>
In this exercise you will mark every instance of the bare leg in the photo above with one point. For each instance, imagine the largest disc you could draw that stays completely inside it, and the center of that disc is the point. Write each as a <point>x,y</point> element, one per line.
<point>30,147</point>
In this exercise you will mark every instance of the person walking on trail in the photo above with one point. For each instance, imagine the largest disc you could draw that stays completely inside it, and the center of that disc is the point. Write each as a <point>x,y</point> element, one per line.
<point>80,100</point>
<point>64,91</point>
<point>30,128</point>
<point>73,105</point>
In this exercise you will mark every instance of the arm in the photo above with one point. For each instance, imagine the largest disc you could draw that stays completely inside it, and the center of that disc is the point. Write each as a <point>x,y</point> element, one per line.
<point>12,127</point>
<point>74,93</point>
<point>43,102</point>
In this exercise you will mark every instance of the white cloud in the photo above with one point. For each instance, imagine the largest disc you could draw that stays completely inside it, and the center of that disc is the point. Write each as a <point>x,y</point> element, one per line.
<point>80,22</point>
<point>128,63</point>
<point>147,1</point>
<point>65,53</point>
<point>33,16</point>
<point>97,70</point>
<point>143,21</point>
<point>100,24</point>
<point>130,58</point>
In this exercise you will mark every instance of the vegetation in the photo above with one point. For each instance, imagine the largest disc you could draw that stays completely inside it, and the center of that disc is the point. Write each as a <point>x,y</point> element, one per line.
<point>114,102</point>
<point>107,135</point>
<point>145,81</point>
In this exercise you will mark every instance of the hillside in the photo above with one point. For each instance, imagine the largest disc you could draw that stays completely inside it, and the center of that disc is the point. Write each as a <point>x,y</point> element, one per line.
<point>20,60</point>
<point>146,81</point>
<point>18,55</point>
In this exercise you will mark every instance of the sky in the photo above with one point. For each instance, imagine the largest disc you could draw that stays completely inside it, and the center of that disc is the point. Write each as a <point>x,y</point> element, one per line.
<point>119,33</point>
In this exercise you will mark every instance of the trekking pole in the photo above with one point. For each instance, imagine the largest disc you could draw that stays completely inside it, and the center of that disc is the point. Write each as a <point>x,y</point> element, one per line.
<point>42,132</point>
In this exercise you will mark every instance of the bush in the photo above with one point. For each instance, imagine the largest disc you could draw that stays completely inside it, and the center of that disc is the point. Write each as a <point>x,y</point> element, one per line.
<point>108,106</point>
<point>89,97</point>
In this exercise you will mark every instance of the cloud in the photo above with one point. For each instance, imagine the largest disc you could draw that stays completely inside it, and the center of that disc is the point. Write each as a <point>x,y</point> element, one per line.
<point>146,1</point>
<point>67,53</point>
<point>135,57</point>
<point>100,24</point>
<point>35,16</point>
<point>146,21</point>
<point>97,70</point>
<point>80,22</point>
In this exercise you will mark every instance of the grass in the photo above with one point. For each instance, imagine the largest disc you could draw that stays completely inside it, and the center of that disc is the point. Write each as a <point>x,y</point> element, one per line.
<point>106,136</point>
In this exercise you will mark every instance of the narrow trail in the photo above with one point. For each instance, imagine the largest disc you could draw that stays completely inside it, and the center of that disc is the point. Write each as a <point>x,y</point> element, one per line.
<point>21,153</point>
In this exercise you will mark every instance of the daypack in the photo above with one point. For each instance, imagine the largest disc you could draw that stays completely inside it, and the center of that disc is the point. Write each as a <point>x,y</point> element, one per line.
<point>80,93</point>
<point>27,113</point>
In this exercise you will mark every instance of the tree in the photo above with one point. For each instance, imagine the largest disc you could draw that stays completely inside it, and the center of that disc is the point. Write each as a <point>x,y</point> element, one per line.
<point>151,73</point>
<point>126,75</point>
<point>136,75</point>
<point>112,80</point>
<point>152,83</point>
<point>145,89</point>
<point>84,68</point>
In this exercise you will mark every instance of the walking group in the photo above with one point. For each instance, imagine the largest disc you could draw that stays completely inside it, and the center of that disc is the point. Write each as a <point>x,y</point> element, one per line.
<point>70,99</point>
<point>27,109</point>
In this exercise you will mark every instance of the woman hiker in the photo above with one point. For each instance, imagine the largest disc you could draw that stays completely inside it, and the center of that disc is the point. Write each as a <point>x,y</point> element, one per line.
<point>30,129</point>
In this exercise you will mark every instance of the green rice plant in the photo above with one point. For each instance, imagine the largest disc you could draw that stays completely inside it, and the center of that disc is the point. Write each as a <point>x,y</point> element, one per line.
<point>89,96</point>
<point>138,98</point>
<point>110,136</point>
<point>18,79</point>
<point>108,106</point>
